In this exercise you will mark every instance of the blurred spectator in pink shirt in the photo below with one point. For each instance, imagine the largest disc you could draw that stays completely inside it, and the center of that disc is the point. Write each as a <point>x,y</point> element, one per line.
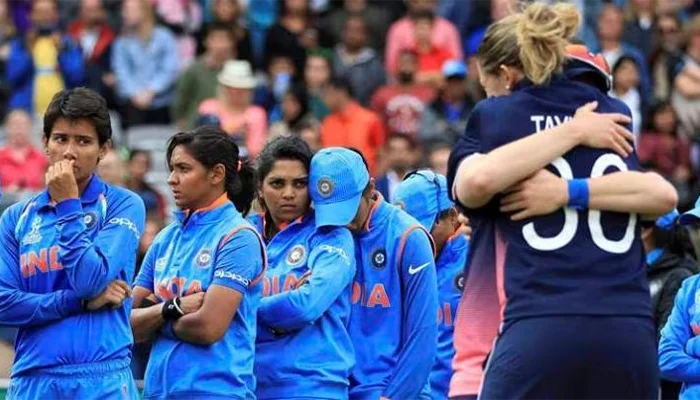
<point>233,110</point>
<point>22,166</point>
<point>401,35</point>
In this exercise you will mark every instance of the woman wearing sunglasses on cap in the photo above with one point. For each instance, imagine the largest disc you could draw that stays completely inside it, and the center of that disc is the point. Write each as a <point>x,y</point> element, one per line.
<point>423,194</point>
<point>303,348</point>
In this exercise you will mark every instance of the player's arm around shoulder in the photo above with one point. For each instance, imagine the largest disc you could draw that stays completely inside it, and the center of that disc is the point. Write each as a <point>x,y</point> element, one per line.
<point>239,263</point>
<point>92,264</point>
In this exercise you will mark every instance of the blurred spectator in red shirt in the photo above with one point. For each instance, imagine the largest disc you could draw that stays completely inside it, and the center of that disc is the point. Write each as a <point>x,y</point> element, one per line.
<point>351,125</point>
<point>95,37</point>
<point>401,105</point>
<point>430,57</point>
<point>22,166</point>
<point>662,150</point>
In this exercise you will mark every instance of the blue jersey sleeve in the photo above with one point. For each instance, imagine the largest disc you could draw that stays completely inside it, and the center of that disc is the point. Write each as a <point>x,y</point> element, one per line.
<point>674,362</point>
<point>91,264</point>
<point>420,330</point>
<point>332,268</point>
<point>18,308</point>
<point>239,260</point>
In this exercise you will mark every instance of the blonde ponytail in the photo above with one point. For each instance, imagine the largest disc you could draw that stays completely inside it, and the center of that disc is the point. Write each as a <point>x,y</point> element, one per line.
<point>543,32</point>
<point>533,40</point>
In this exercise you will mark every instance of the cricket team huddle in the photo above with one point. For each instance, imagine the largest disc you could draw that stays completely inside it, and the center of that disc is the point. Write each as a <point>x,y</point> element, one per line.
<point>290,277</point>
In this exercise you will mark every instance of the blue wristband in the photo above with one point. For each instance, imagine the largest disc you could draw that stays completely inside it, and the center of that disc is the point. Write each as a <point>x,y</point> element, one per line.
<point>578,193</point>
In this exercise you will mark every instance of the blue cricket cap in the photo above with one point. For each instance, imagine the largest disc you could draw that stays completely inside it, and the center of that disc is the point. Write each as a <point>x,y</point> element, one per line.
<point>454,69</point>
<point>423,194</point>
<point>692,216</point>
<point>337,179</point>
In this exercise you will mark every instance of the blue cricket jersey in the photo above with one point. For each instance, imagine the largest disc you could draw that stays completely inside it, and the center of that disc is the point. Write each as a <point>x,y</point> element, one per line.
<point>310,355</point>
<point>569,262</point>
<point>451,277</point>
<point>395,304</point>
<point>51,257</point>
<point>214,246</point>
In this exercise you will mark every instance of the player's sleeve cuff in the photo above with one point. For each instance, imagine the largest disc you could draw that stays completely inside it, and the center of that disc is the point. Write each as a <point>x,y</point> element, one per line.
<point>68,207</point>
<point>72,304</point>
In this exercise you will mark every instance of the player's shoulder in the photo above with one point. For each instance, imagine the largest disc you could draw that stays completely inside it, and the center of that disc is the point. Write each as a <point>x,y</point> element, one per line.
<point>690,286</point>
<point>335,235</point>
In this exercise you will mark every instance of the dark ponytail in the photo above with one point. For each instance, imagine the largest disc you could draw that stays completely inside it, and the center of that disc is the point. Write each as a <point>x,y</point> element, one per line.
<point>241,189</point>
<point>211,146</point>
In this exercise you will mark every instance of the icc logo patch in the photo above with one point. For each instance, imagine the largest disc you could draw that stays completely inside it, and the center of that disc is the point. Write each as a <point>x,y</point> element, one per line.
<point>203,258</point>
<point>325,187</point>
<point>459,281</point>
<point>296,255</point>
<point>90,220</point>
<point>379,258</point>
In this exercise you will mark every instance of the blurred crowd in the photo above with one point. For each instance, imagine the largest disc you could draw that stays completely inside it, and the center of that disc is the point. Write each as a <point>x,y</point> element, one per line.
<point>396,79</point>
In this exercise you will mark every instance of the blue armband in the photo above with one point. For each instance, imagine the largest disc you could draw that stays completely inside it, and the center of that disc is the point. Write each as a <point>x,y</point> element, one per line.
<point>578,194</point>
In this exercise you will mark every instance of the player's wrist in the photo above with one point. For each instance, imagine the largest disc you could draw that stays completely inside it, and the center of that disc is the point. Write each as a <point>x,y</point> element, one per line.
<point>171,310</point>
<point>578,193</point>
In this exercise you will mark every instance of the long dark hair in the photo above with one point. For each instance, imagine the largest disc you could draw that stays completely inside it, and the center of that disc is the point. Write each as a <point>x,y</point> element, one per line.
<point>210,145</point>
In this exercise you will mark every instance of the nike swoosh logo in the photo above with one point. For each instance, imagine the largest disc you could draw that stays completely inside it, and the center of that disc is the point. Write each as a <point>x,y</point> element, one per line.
<point>414,270</point>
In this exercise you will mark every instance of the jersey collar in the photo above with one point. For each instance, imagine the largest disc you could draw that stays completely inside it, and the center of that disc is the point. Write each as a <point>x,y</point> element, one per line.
<point>95,188</point>
<point>526,83</point>
<point>377,212</point>
<point>209,214</point>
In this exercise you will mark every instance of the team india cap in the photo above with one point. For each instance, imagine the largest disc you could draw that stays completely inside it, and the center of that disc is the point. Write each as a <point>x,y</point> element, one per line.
<point>337,179</point>
<point>423,194</point>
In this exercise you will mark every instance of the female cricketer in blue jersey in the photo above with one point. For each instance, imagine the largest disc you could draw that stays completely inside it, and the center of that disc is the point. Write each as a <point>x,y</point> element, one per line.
<point>204,344</point>
<point>392,324</point>
<point>74,241</point>
<point>424,195</point>
<point>560,284</point>
<point>303,349</point>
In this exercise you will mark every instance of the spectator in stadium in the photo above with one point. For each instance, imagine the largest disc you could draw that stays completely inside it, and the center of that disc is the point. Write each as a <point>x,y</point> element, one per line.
<point>357,62</point>
<point>295,114</point>
<point>640,25</point>
<point>686,82</point>
<point>95,227</point>
<point>230,13</point>
<point>402,104</point>
<point>317,73</point>
<point>7,33</point>
<point>431,58</point>
<point>424,195</point>
<point>305,303</point>
<point>154,224</point>
<point>286,36</point>
<point>399,156</point>
<point>310,133</point>
<point>530,40</point>
<point>145,64</point>
<point>281,75</point>
<point>377,21</point>
<point>43,62</point>
<point>626,88</point>
<point>394,302</point>
<point>112,170</point>
<point>237,116</point>
<point>350,124</point>
<point>401,35</point>
<point>661,149</point>
<point>95,37</point>
<point>213,189</point>
<point>667,55</point>
<point>438,154</point>
<point>22,165</point>
<point>199,82</point>
<point>184,18</point>
<point>668,265</point>
<point>446,117</point>
<point>137,167</point>
<point>610,44</point>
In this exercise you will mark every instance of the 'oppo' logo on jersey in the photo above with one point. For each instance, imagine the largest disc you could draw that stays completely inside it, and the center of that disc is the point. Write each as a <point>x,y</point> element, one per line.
<point>221,274</point>
<point>127,224</point>
<point>336,250</point>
